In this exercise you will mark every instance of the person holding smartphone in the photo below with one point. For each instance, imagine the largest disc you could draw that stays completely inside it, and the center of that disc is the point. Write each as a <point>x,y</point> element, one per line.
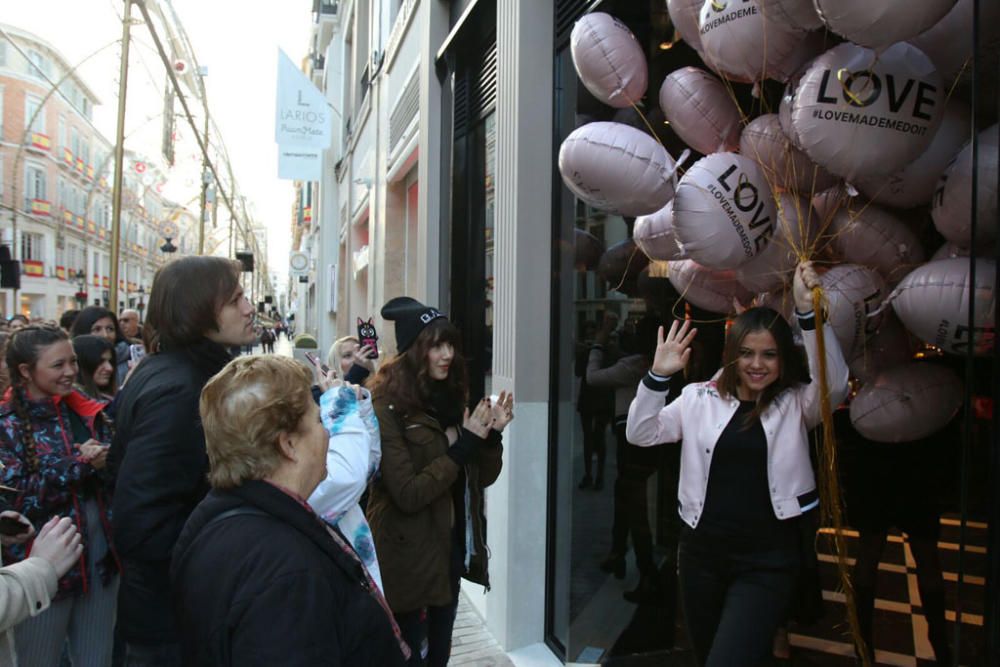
<point>54,447</point>
<point>426,508</point>
<point>351,360</point>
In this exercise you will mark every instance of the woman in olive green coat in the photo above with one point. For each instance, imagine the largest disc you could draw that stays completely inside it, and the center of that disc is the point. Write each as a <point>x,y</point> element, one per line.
<point>426,508</point>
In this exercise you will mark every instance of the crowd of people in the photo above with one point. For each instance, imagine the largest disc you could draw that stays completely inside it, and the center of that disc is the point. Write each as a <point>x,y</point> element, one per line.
<point>184,497</point>
<point>196,508</point>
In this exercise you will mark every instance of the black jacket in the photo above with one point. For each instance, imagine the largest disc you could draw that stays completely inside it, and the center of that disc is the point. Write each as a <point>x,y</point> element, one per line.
<point>159,456</point>
<point>271,587</point>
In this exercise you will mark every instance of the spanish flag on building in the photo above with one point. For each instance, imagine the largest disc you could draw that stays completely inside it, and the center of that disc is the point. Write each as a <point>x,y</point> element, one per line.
<point>79,221</point>
<point>307,214</point>
<point>79,164</point>
<point>105,281</point>
<point>68,157</point>
<point>91,226</point>
<point>68,217</point>
<point>40,207</point>
<point>97,280</point>
<point>90,171</point>
<point>40,141</point>
<point>33,267</point>
<point>61,272</point>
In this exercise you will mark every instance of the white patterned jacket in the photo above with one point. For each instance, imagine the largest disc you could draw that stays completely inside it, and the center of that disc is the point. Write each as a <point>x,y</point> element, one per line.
<point>700,414</point>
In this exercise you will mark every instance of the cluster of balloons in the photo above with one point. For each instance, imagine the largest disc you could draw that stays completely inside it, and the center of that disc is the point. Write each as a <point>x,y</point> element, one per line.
<point>865,138</point>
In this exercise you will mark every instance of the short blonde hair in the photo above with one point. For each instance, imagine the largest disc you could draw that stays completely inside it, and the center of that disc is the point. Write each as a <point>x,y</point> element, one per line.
<point>244,409</point>
<point>333,355</point>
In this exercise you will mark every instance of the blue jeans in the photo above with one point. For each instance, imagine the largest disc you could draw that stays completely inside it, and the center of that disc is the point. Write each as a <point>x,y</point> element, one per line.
<point>734,599</point>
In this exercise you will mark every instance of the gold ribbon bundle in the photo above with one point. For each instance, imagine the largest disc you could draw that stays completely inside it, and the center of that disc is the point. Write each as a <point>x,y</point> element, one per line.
<point>831,502</point>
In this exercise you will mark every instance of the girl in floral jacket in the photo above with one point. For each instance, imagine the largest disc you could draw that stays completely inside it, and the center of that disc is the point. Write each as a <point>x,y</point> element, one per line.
<point>53,448</point>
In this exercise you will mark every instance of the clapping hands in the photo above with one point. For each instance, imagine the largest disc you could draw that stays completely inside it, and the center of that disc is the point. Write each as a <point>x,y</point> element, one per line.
<point>502,411</point>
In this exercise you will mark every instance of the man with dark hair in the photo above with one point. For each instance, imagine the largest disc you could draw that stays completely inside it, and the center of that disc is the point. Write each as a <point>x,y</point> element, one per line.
<point>67,319</point>
<point>196,311</point>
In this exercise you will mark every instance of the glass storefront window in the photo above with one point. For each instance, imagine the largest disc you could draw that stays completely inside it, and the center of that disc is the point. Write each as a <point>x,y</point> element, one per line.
<point>612,585</point>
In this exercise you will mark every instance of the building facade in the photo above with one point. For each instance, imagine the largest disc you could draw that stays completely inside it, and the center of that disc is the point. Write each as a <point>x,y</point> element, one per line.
<point>55,170</point>
<point>442,183</point>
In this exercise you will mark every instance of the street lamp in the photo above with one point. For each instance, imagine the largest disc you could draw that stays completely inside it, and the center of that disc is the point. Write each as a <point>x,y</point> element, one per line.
<point>141,306</point>
<point>81,283</point>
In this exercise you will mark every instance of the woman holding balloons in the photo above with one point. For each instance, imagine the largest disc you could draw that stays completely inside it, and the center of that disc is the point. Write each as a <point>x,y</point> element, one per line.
<point>745,477</point>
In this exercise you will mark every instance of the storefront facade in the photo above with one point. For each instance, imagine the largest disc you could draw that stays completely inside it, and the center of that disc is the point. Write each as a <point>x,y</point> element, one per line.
<point>504,196</point>
<point>528,272</point>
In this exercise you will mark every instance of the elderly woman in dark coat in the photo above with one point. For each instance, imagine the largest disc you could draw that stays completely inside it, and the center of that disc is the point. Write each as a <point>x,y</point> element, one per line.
<point>258,578</point>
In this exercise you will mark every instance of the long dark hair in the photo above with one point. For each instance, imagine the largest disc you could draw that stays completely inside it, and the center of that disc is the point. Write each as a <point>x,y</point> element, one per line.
<point>5,372</point>
<point>89,355</point>
<point>24,347</point>
<point>185,300</point>
<point>404,380</point>
<point>791,364</point>
<point>89,316</point>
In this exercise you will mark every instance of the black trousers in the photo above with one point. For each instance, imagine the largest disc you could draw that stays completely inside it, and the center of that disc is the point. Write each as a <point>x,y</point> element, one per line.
<point>427,631</point>
<point>631,516</point>
<point>594,426</point>
<point>734,600</point>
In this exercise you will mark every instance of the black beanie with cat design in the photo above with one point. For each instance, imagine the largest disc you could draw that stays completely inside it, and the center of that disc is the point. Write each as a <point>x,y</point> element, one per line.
<point>410,317</point>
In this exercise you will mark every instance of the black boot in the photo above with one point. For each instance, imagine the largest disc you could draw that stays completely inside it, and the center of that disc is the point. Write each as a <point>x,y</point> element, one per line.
<point>648,591</point>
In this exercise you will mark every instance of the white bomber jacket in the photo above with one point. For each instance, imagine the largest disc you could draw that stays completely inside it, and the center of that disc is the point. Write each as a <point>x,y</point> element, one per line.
<point>700,414</point>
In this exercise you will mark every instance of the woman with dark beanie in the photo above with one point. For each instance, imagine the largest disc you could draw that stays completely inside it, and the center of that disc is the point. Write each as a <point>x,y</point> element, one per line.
<point>426,509</point>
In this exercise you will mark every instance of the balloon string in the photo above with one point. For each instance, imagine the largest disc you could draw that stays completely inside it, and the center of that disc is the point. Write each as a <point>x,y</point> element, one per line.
<point>643,117</point>
<point>831,503</point>
<point>958,78</point>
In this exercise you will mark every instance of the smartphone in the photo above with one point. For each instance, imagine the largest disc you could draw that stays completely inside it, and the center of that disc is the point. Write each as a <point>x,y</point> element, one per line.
<point>136,353</point>
<point>367,335</point>
<point>314,360</point>
<point>10,526</point>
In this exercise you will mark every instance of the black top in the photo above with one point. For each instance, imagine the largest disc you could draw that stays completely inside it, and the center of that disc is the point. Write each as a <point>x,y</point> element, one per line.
<point>270,586</point>
<point>158,453</point>
<point>738,504</point>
